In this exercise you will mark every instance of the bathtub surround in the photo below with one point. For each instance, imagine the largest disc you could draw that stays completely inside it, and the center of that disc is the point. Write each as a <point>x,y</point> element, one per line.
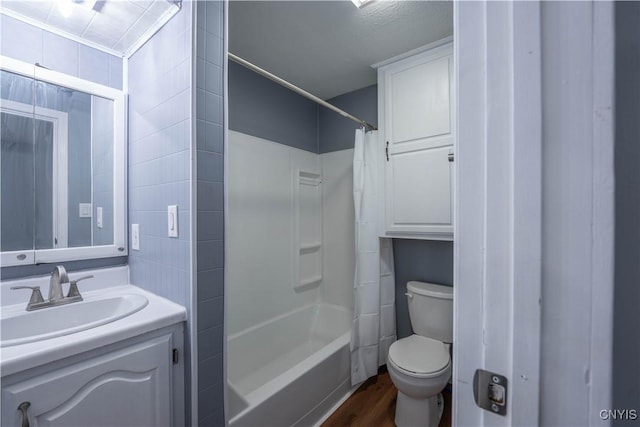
<point>302,332</point>
<point>337,219</point>
<point>262,251</point>
<point>209,207</point>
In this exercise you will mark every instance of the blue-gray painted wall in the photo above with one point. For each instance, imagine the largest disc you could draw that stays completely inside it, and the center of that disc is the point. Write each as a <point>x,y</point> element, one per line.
<point>626,340</point>
<point>262,108</point>
<point>159,158</point>
<point>30,44</point>
<point>159,166</point>
<point>337,132</point>
<point>210,210</point>
<point>421,260</point>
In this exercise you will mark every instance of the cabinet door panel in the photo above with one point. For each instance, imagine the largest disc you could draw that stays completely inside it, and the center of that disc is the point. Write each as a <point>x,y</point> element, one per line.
<point>128,387</point>
<point>420,183</point>
<point>417,134</point>
<point>419,104</point>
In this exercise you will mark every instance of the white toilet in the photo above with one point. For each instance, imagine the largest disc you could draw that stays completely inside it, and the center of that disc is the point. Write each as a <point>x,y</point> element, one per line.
<point>420,365</point>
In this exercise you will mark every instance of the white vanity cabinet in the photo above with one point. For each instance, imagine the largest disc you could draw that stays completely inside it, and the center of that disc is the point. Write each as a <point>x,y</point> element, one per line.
<point>416,138</point>
<point>135,382</point>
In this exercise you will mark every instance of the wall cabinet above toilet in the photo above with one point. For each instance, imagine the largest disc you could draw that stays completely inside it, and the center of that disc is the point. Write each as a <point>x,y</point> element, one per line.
<point>416,145</point>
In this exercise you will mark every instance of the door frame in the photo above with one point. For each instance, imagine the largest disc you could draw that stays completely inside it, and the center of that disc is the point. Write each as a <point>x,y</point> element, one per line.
<point>501,176</point>
<point>60,122</point>
<point>497,251</point>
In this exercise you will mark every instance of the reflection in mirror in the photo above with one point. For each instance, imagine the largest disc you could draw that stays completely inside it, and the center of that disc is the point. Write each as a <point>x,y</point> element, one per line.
<point>57,163</point>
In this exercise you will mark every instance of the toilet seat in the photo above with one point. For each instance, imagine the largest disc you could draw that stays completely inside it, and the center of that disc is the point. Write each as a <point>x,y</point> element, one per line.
<point>419,356</point>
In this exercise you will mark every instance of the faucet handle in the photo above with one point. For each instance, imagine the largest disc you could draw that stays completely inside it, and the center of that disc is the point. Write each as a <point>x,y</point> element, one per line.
<point>36,295</point>
<point>73,287</point>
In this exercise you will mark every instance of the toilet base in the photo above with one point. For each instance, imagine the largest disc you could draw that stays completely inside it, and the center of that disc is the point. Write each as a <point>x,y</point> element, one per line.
<point>412,412</point>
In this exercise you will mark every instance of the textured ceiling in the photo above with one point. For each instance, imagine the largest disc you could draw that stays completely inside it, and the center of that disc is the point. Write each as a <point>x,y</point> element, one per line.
<point>328,47</point>
<point>114,25</point>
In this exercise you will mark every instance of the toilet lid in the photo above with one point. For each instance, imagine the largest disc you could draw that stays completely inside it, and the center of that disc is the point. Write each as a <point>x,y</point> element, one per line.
<point>419,354</point>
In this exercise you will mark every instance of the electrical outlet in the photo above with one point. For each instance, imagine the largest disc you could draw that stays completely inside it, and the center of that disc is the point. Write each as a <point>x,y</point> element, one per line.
<point>172,220</point>
<point>135,237</point>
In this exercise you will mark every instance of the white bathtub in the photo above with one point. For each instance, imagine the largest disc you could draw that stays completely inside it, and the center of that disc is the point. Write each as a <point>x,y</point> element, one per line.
<point>290,370</point>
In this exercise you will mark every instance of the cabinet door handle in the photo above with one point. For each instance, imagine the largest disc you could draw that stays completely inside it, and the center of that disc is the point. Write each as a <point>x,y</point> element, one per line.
<point>386,151</point>
<point>450,157</point>
<point>23,407</point>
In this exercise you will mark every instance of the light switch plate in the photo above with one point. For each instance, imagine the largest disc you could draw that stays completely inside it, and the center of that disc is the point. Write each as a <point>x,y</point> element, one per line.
<point>135,237</point>
<point>84,210</point>
<point>172,220</point>
<point>99,216</point>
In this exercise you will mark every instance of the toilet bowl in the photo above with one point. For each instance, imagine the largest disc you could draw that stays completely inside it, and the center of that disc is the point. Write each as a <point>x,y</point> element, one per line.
<point>420,365</point>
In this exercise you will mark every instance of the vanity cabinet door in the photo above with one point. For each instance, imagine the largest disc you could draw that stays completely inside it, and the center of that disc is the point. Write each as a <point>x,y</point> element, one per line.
<point>416,134</point>
<point>126,387</point>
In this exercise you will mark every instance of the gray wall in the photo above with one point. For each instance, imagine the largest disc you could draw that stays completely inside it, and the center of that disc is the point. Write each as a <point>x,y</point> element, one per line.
<point>337,132</point>
<point>160,158</point>
<point>262,108</point>
<point>159,164</point>
<point>210,210</point>
<point>31,44</point>
<point>626,340</point>
<point>421,260</point>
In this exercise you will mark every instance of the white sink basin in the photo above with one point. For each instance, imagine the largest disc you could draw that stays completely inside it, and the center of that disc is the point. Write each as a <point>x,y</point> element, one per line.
<point>25,327</point>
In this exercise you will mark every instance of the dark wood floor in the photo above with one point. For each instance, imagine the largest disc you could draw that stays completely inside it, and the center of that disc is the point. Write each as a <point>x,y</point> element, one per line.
<point>374,405</point>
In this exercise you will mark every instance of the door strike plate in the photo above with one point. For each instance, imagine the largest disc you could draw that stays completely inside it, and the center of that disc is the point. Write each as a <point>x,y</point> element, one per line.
<point>490,391</point>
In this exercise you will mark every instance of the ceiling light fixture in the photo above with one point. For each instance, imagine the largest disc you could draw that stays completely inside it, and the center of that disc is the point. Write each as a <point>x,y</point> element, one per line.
<point>360,3</point>
<point>65,7</point>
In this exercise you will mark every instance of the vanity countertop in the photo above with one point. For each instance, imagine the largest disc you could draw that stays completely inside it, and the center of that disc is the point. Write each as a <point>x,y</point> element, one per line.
<point>157,314</point>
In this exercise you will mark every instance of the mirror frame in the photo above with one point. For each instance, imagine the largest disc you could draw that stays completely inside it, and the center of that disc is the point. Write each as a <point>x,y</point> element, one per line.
<point>119,246</point>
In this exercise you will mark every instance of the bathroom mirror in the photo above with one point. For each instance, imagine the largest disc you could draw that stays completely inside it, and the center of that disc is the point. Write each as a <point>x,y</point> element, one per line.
<point>62,167</point>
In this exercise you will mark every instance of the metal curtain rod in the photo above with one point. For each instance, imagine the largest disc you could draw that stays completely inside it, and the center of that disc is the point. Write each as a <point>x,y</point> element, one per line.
<point>296,89</point>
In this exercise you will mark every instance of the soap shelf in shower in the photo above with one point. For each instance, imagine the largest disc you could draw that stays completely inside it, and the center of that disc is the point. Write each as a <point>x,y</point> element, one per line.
<point>312,247</point>
<point>307,237</point>
<point>308,283</point>
<point>309,178</point>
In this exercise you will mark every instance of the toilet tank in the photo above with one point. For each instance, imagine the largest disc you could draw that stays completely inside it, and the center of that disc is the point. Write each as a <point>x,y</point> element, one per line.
<point>431,310</point>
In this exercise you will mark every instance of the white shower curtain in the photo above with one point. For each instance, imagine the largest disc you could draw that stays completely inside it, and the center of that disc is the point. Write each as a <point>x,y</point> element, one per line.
<point>374,320</point>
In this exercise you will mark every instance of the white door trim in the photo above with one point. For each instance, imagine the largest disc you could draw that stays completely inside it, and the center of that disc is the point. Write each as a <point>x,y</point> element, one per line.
<point>534,219</point>
<point>497,258</point>
<point>60,122</point>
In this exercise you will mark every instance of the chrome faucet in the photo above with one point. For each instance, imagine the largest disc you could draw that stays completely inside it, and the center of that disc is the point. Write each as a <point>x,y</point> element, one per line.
<point>58,277</point>
<point>56,296</point>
